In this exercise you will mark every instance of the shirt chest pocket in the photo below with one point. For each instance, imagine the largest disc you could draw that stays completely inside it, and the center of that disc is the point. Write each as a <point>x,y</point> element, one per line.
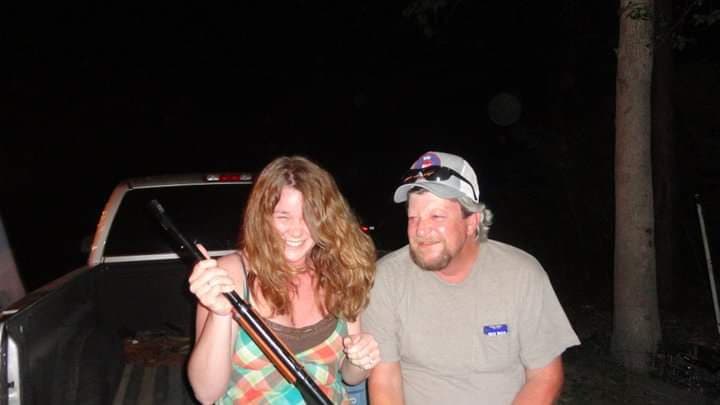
<point>497,347</point>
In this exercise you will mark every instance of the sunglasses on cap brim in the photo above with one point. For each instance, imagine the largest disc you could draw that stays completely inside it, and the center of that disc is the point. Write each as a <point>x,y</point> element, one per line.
<point>435,173</point>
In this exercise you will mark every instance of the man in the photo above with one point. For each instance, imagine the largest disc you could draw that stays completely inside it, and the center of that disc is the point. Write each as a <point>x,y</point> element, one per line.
<point>461,319</point>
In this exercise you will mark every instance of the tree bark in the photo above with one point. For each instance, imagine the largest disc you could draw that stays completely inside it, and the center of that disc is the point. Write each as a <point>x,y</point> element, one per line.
<point>636,329</point>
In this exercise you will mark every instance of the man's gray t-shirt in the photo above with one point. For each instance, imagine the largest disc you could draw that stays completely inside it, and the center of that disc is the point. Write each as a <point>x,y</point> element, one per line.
<point>466,343</point>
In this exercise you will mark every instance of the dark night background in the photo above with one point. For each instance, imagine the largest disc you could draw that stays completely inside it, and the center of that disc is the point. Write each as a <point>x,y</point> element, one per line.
<point>94,93</point>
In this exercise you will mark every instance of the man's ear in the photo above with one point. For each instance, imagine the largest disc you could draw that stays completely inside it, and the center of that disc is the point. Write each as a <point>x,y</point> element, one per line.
<point>472,223</point>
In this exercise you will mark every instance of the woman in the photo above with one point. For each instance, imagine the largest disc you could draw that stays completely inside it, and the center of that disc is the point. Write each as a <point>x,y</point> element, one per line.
<point>306,267</point>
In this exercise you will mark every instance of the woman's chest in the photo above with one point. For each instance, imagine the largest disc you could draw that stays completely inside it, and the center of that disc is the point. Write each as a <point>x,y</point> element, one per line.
<point>306,308</point>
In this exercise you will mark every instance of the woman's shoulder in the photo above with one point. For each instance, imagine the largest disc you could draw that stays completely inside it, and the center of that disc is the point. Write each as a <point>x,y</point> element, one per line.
<point>235,264</point>
<point>232,259</point>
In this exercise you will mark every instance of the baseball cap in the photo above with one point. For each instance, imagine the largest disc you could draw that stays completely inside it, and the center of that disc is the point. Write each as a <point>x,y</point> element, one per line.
<point>443,174</point>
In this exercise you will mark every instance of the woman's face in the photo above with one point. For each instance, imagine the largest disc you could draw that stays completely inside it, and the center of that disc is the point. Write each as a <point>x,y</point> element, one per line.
<point>289,222</point>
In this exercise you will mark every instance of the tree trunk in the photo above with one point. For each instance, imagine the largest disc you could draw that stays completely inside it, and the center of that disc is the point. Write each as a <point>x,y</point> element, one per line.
<point>636,317</point>
<point>663,140</point>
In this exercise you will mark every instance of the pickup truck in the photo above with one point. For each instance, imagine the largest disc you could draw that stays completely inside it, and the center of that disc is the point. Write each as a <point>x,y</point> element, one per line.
<point>118,330</point>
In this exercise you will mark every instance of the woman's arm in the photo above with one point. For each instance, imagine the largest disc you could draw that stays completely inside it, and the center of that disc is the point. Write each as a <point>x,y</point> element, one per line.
<point>361,354</point>
<point>209,366</point>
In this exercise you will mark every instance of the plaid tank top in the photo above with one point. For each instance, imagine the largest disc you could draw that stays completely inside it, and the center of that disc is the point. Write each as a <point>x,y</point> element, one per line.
<point>255,380</point>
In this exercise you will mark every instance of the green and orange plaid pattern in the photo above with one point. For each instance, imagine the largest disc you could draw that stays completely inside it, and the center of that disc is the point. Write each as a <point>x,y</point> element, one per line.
<point>256,381</point>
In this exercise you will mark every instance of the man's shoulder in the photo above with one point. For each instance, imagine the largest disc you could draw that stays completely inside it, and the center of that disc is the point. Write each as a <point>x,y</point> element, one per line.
<point>511,258</point>
<point>395,265</point>
<point>399,258</point>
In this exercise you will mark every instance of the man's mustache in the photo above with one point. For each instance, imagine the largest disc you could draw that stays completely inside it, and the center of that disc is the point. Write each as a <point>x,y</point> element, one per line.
<point>424,241</point>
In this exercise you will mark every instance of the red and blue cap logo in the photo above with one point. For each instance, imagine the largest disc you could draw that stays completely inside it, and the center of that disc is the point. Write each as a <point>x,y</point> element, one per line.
<point>427,160</point>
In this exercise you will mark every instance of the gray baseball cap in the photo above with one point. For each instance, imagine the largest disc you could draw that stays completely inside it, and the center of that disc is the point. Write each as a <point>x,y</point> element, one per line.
<point>443,174</point>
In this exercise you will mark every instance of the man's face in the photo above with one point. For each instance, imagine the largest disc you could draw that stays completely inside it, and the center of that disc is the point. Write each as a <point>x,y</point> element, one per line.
<point>437,231</point>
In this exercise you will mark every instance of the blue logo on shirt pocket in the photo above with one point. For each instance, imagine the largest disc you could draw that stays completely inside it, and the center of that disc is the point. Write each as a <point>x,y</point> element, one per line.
<point>495,330</point>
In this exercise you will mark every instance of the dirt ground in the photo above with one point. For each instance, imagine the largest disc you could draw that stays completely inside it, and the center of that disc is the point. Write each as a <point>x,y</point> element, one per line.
<point>687,368</point>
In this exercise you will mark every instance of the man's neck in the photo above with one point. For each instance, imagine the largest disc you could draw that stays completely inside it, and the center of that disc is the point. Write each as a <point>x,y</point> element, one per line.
<point>461,266</point>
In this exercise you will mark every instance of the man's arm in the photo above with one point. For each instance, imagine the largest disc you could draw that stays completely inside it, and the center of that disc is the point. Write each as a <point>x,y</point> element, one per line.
<point>385,384</point>
<point>543,384</point>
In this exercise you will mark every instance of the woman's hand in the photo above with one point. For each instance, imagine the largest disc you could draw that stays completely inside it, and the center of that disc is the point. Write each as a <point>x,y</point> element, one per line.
<point>208,282</point>
<point>362,350</point>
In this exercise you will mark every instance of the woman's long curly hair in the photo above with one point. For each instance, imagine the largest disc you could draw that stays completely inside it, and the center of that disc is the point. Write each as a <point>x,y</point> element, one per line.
<point>343,257</point>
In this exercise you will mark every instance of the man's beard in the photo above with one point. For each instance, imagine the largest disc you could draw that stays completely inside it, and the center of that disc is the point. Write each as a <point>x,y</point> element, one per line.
<point>436,264</point>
